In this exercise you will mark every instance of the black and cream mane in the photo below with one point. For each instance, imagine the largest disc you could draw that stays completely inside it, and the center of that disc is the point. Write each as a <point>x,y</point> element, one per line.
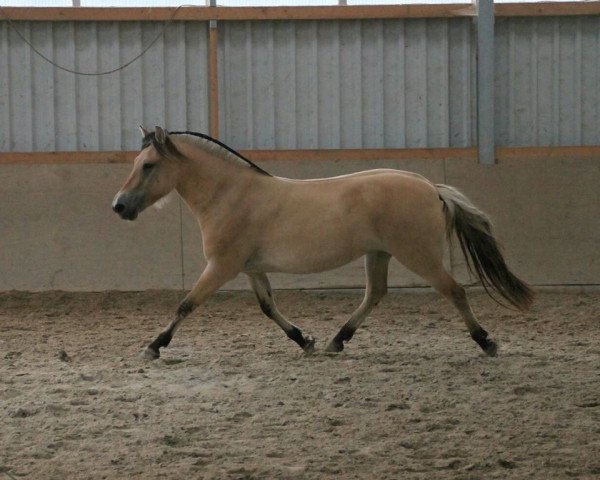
<point>203,141</point>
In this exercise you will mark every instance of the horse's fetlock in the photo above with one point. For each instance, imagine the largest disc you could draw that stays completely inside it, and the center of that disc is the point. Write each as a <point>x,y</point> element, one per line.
<point>344,335</point>
<point>162,340</point>
<point>296,335</point>
<point>481,337</point>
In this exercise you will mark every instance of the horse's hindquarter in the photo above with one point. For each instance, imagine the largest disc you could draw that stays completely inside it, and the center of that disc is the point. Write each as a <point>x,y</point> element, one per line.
<point>324,224</point>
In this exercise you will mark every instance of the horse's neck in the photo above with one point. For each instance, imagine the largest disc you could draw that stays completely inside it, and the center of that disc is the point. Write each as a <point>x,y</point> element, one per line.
<point>207,182</point>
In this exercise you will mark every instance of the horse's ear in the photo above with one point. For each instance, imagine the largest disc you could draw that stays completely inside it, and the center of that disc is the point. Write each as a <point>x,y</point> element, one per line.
<point>144,131</point>
<point>160,135</point>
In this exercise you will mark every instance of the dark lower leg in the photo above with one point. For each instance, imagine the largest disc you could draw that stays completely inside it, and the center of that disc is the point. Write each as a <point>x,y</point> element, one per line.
<point>478,333</point>
<point>262,289</point>
<point>164,338</point>
<point>306,343</point>
<point>488,345</point>
<point>344,335</point>
<point>376,267</point>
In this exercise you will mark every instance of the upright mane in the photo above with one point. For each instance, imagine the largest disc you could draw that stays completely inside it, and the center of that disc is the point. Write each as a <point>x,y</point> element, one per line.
<point>203,141</point>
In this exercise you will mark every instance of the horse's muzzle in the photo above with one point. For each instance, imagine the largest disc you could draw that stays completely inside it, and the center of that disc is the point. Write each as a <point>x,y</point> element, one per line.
<point>127,205</point>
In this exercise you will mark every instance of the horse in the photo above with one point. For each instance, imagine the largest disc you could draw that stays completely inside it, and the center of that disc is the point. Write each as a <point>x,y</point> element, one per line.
<point>255,223</point>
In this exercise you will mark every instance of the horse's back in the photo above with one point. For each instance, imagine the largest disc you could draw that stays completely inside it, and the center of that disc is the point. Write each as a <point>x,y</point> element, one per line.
<point>364,175</point>
<point>370,191</point>
<point>324,223</point>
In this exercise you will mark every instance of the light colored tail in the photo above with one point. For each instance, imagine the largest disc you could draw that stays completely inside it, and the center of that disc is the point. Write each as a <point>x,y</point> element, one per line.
<point>482,253</point>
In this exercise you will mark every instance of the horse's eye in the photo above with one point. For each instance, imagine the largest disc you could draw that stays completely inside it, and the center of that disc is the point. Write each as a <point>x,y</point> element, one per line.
<point>148,166</point>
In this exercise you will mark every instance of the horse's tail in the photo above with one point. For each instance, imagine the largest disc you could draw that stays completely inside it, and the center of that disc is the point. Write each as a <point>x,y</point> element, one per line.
<point>481,250</point>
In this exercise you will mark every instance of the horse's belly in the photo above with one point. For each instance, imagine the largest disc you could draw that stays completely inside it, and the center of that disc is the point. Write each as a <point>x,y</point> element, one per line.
<point>300,262</point>
<point>310,255</point>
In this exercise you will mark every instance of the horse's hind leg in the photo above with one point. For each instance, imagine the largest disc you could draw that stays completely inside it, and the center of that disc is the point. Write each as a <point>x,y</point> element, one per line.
<point>262,289</point>
<point>444,283</point>
<point>376,267</point>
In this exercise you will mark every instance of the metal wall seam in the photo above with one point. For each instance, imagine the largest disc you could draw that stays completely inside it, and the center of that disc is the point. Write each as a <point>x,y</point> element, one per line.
<point>42,90</point>
<point>21,102</point>
<point>109,88</point>
<point>590,85</point>
<point>284,78</point>
<point>65,127</point>
<point>394,86</point>
<point>354,83</point>
<point>5,89</point>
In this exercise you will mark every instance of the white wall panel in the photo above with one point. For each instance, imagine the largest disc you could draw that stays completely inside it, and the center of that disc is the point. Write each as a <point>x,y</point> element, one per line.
<point>306,84</point>
<point>5,96</point>
<point>354,84</point>
<point>47,109</point>
<point>548,81</point>
<point>65,87</point>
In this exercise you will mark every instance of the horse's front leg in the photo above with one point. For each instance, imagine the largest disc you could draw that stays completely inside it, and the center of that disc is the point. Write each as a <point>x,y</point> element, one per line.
<point>212,278</point>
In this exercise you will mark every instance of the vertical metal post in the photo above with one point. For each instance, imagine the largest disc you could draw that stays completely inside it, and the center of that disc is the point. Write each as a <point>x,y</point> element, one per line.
<point>485,81</point>
<point>213,75</point>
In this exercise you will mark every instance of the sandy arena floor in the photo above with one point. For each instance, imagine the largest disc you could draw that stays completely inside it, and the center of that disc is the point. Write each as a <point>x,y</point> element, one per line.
<point>411,397</point>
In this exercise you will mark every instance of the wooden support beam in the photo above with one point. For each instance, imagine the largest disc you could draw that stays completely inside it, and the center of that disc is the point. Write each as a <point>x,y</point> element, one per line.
<point>546,9</point>
<point>591,152</point>
<point>64,158</point>
<point>334,12</point>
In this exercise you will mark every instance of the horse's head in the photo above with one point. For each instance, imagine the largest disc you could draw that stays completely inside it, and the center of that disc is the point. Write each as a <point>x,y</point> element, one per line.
<point>155,173</point>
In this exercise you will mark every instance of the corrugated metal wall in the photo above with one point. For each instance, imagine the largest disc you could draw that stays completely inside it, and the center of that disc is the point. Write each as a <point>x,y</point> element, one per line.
<point>548,81</point>
<point>350,84</point>
<point>311,84</point>
<point>46,109</point>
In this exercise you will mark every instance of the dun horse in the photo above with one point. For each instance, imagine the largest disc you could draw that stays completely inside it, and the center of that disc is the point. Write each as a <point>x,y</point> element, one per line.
<point>255,223</point>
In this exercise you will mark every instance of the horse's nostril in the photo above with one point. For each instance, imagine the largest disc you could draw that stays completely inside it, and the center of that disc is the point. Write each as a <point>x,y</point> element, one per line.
<point>118,207</point>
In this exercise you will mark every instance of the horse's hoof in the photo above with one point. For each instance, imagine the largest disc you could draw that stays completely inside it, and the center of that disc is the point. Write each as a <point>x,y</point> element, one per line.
<point>491,349</point>
<point>309,346</point>
<point>334,347</point>
<point>150,354</point>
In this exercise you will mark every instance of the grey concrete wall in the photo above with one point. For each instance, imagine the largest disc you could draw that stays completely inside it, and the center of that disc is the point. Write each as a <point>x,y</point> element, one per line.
<point>57,230</point>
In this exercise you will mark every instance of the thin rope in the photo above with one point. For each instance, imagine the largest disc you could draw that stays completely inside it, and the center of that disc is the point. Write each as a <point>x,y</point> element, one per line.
<point>92,74</point>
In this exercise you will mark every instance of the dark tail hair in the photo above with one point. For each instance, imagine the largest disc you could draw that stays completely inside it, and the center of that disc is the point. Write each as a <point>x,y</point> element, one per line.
<point>481,250</point>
